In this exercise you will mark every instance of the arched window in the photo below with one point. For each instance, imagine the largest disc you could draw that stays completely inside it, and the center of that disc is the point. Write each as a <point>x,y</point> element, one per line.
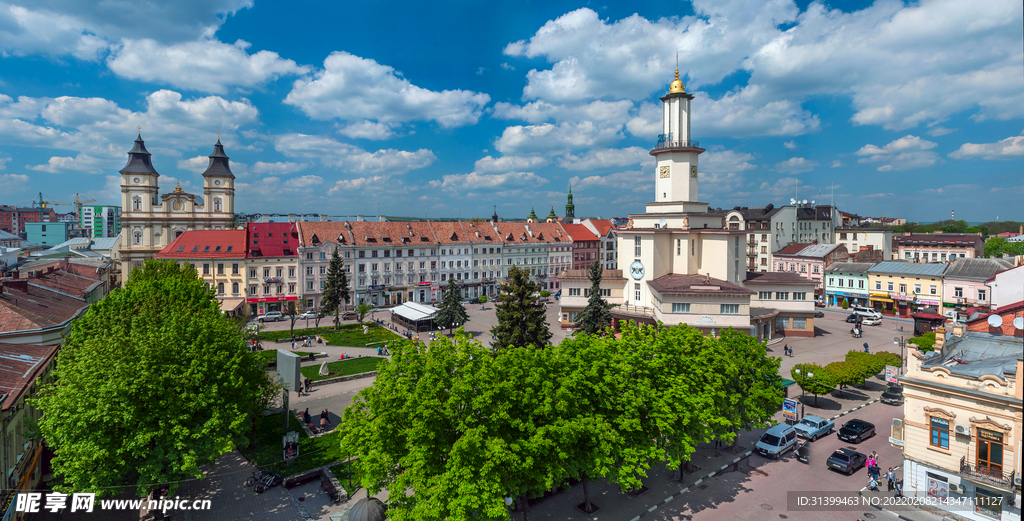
<point>138,237</point>
<point>178,233</point>
<point>216,205</point>
<point>137,203</point>
<point>220,288</point>
<point>234,288</point>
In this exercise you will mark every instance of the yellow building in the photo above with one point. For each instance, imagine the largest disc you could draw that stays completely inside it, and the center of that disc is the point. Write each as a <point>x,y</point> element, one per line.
<point>900,287</point>
<point>962,424</point>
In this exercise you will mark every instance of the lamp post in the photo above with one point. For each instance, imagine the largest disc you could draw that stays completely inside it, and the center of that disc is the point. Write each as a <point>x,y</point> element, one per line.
<point>900,341</point>
<point>811,376</point>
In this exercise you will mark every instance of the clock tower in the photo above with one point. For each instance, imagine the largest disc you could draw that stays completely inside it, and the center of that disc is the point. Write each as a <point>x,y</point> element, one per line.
<point>675,177</point>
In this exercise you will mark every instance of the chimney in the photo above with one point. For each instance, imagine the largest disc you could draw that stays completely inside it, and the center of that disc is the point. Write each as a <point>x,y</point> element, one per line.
<point>940,338</point>
<point>359,218</point>
<point>291,217</point>
<point>266,218</point>
<point>323,218</point>
<point>958,328</point>
<point>20,285</point>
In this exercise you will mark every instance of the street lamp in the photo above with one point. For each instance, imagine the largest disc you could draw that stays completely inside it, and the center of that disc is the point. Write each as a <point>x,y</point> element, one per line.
<point>902,343</point>
<point>802,392</point>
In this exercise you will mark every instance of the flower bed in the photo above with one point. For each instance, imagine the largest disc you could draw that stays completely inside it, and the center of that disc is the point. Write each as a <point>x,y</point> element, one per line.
<point>343,368</point>
<point>350,335</point>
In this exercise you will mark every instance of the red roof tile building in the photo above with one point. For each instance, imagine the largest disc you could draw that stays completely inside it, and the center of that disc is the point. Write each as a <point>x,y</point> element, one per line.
<point>219,257</point>
<point>272,263</point>
<point>24,368</point>
<point>33,313</point>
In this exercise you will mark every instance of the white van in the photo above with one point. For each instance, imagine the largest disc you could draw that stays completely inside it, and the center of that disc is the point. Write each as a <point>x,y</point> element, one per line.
<point>865,312</point>
<point>776,441</point>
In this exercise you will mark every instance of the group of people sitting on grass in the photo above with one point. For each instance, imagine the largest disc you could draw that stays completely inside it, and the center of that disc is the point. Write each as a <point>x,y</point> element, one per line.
<point>325,421</point>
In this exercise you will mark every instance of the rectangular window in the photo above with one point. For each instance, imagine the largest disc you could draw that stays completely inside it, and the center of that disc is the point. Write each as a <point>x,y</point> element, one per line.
<point>309,256</point>
<point>362,268</point>
<point>387,253</point>
<point>606,293</point>
<point>291,288</point>
<point>730,309</point>
<point>890,286</point>
<point>988,503</point>
<point>878,285</point>
<point>799,323</point>
<point>373,267</point>
<point>252,289</point>
<point>764,295</point>
<point>990,452</point>
<point>860,284</point>
<point>266,290</point>
<point>958,292</point>
<point>940,433</point>
<point>347,254</point>
<point>309,270</point>
<point>266,273</point>
<point>362,254</point>
<point>799,295</point>
<point>933,290</point>
<point>323,270</point>
<point>291,272</point>
<point>981,295</point>
<point>678,307</point>
<point>309,285</point>
<point>781,295</point>
<point>323,255</point>
<point>206,269</point>
<point>373,253</point>
<point>636,292</point>
<point>781,322</point>
<point>220,268</point>
<point>279,272</point>
<point>636,246</point>
<point>840,282</point>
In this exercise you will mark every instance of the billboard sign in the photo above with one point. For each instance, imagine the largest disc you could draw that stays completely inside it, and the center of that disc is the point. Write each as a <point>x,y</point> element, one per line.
<point>789,409</point>
<point>891,373</point>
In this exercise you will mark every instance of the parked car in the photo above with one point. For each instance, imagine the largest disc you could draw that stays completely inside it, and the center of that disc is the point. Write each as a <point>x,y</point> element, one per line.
<point>865,312</point>
<point>776,441</point>
<point>893,395</point>
<point>309,315</point>
<point>272,316</point>
<point>851,318</point>
<point>846,460</point>
<point>349,315</point>
<point>856,431</point>
<point>814,427</point>
<point>819,314</point>
<point>872,321</point>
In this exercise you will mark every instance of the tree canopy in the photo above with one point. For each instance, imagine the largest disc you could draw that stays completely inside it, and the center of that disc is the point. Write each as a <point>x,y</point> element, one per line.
<point>823,381</point>
<point>461,427</point>
<point>153,382</point>
<point>521,315</point>
<point>451,313</point>
<point>335,292</point>
<point>597,316</point>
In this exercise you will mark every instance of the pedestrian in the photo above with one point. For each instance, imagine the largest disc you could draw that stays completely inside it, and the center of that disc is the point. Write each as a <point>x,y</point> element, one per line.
<point>890,478</point>
<point>293,344</point>
<point>378,350</point>
<point>327,416</point>
<point>898,488</point>
<point>307,383</point>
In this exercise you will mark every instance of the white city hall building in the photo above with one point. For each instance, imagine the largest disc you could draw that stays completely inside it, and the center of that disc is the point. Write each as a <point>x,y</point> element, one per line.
<point>150,220</point>
<point>681,263</point>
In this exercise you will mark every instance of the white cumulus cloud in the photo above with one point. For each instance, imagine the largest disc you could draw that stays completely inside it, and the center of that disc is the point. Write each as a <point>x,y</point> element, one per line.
<point>278,168</point>
<point>1009,148</point>
<point>795,165</point>
<point>606,157</point>
<point>478,181</point>
<point>905,153</point>
<point>488,164</point>
<point>350,158</point>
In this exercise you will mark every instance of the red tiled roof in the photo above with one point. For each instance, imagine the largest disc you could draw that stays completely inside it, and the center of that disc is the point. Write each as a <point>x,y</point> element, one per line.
<point>449,232</point>
<point>272,240</point>
<point>27,307</point>
<point>66,282</point>
<point>481,232</point>
<point>793,249</point>
<point>206,244</point>
<point>774,277</point>
<point>20,365</point>
<point>578,232</point>
<point>603,226</point>
<point>695,284</point>
<point>550,232</point>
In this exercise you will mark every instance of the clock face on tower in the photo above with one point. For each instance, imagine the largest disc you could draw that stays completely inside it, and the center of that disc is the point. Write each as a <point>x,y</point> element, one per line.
<point>693,170</point>
<point>664,172</point>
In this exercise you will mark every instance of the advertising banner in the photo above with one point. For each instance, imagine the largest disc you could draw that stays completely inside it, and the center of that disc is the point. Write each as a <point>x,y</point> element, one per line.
<point>290,443</point>
<point>891,373</point>
<point>789,409</point>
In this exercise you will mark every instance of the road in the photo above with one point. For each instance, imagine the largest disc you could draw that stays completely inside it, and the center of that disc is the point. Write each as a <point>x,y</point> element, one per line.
<point>759,490</point>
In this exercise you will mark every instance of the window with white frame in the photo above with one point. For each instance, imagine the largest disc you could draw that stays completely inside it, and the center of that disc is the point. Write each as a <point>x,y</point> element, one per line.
<point>680,307</point>
<point>799,295</point>
<point>636,292</point>
<point>730,309</point>
<point>781,295</point>
<point>764,295</point>
<point>636,246</point>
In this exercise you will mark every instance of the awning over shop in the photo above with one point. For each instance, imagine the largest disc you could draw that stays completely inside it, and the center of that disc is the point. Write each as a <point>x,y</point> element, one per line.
<point>230,305</point>
<point>880,298</point>
<point>414,312</point>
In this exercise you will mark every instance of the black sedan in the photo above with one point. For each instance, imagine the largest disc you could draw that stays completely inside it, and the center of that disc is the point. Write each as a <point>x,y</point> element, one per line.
<point>893,395</point>
<point>856,431</point>
<point>851,318</point>
<point>819,314</point>
<point>846,460</point>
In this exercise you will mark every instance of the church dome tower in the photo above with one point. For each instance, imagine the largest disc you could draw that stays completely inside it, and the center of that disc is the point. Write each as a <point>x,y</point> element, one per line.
<point>570,209</point>
<point>675,178</point>
<point>219,184</point>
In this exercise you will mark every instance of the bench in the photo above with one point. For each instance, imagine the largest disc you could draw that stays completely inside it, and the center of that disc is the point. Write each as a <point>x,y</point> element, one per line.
<point>328,487</point>
<point>299,479</point>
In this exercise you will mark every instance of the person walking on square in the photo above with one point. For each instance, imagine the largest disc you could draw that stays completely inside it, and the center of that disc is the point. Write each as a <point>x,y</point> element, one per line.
<point>890,478</point>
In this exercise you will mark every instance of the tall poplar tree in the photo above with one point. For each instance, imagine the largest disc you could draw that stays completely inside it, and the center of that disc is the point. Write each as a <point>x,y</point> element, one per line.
<point>597,316</point>
<point>451,310</point>
<point>521,316</point>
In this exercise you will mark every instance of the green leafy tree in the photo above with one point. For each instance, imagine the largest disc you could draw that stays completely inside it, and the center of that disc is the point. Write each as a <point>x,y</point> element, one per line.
<point>153,383</point>
<point>335,294</point>
<point>846,373</point>
<point>545,293</point>
<point>887,358</point>
<point>451,312</point>
<point>597,316</point>
<point>994,247</point>
<point>823,382</point>
<point>482,299</point>
<point>925,342</point>
<point>521,318</point>
<point>846,304</point>
<point>869,364</point>
<point>362,310</point>
<point>459,426</point>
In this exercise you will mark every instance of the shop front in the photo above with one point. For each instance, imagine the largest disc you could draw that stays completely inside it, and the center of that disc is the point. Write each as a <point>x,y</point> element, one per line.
<point>882,303</point>
<point>376,295</point>
<point>904,304</point>
<point>263,305</point>
<point>425,292</point>
<point>835,298</point>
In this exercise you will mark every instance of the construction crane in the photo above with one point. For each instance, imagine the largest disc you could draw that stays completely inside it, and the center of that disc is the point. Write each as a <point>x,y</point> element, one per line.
<point>77,204</point>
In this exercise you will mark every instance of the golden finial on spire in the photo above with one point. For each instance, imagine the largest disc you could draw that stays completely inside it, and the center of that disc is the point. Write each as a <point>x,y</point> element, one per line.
<point>677,84</point>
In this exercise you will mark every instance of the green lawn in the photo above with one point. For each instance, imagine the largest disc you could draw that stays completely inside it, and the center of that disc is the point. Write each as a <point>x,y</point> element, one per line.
<point>270,355</point>
<point>350,335</point>
<point>341,473</point>
<point>343,367</point>
<point>313,452</point>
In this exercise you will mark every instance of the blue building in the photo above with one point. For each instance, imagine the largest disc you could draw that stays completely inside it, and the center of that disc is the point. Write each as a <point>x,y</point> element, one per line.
<point>47,233</point>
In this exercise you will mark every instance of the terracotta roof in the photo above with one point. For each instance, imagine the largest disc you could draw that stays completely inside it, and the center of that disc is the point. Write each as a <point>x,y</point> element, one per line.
<point>551,232</point>
<point>272,240</point>
<point>20,365</point>
<point>776,278</point>
<point>695,285</point>
<point>481,233</point>
<point>578,232</point>
<point>206,244</point>
<point>603,226</point>
<point>515,233</point>
<point>793,249</point>
<point>27,307</point>
<point>66,282</point>
<point>449,232</point>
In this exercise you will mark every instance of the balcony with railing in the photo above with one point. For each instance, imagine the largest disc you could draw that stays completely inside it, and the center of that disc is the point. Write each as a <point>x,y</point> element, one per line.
<point>990,475</point>
<point>640,311</point>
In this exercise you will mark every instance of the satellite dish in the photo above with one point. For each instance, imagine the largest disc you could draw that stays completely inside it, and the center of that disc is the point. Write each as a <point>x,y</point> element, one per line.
<point>805,201</point>
<point>663,223</point>
<point>792,201</point>
<point>812,201</point>
<point>995,320</point>
<point>1018,322</point>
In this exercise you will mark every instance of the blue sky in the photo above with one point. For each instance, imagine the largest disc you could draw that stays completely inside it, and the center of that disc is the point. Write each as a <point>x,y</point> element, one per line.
<point>910,109</point>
